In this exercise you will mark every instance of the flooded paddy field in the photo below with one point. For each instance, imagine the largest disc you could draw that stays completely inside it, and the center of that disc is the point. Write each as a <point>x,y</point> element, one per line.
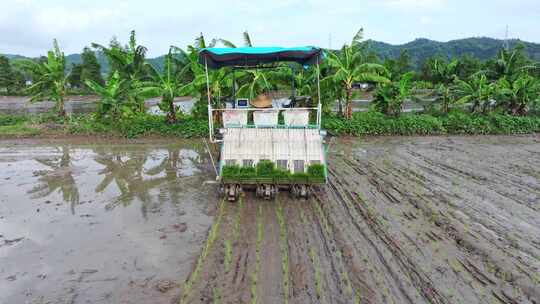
<point>402,220</point>
<point>105,223</point>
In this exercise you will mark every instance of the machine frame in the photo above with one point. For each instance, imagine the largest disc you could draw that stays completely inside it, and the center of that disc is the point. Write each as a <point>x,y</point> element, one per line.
<point>254,58</point>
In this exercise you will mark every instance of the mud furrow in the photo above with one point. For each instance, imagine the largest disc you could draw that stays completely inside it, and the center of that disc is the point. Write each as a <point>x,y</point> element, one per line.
<point>269,284</point>
<point>302,272</point>
<point>459,236</point>
<point>420,280</point>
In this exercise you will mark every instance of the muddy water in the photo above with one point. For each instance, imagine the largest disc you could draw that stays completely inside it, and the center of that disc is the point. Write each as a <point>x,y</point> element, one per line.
<point>109,223</point>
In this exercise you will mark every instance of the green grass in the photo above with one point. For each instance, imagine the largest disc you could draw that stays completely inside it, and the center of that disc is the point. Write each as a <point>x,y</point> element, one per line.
<point>18,130</point>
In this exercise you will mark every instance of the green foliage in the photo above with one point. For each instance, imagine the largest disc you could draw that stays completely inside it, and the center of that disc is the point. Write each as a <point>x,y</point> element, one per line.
<point>49,78</point>
<point>9,120</point>
<point>11,79</point>
<point>480,48</point>
<point>516,97</point>
<point>87,70</point>
<point>389,97</point>
<point>456,122</point>
<point>316,171</point>
<point>476,90</point>
<point>166,85</point>
<point>353,64</point>
<point>18,130</point>
<point>266,170</point>
<point>113,101</point>
<point>144,124</point>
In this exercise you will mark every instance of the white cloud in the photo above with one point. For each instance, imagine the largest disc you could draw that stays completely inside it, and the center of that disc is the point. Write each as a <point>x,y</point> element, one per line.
<point>426,20</point>
<point>415,4</point>
<point>28,26</point>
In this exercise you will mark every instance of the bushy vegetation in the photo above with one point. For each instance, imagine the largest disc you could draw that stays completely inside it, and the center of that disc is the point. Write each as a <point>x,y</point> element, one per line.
<point>137,125</point>
<point>456,122</point>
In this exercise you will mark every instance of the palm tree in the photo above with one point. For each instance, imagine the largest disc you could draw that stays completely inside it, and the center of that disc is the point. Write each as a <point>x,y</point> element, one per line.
<point>477,89</point>
<point>165,85</point>
<point>517,96</point>
<point>112,95</point>
<point>49,78</point>
<point>352,64</point>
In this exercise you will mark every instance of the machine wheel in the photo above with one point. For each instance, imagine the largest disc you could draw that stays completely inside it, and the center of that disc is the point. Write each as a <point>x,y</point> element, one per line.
<point>232,192</point>
<point>300,191</point>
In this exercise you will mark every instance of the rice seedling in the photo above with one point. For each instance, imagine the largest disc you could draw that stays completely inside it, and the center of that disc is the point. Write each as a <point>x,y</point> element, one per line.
<point>216,296</point>
<point>255,274</point>
<point>315,262</point>
<point>212,234</point>
<point>284,251</point>
<point>227,254</point>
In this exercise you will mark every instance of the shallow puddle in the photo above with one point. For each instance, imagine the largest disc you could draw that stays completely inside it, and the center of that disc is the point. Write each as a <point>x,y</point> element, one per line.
<point>109,223</point>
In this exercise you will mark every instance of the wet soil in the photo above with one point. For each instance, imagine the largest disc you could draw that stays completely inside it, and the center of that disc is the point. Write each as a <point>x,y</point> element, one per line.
<point>402,220</point>
<point>101,223</point>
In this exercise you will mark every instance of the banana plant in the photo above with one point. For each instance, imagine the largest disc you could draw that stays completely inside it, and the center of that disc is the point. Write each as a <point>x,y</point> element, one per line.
<point>518,96</point>
<point>389,97</point>
<point>50,80</point>
<point>477,89</point>
<point>112,96</point>
<point>130,63</point>
<point>163,84</point>
<point>352,64</point>
<point>511,64</point>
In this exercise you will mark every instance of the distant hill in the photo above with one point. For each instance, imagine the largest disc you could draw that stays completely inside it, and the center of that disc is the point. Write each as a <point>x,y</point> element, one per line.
<point>482,48</point>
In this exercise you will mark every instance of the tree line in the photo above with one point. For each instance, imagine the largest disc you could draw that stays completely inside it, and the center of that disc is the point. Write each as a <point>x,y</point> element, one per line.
<point>508,83</point>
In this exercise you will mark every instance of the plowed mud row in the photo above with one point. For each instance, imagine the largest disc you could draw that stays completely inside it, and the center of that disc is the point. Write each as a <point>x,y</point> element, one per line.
<point>425,220</point>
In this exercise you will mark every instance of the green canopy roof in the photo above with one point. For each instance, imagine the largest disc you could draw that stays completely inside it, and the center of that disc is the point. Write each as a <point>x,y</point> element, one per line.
<point>253,56</point>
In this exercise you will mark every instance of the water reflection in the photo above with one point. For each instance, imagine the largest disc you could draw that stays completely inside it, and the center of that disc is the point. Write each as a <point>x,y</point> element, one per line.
<point>58,178</point>
<point>120,175</point>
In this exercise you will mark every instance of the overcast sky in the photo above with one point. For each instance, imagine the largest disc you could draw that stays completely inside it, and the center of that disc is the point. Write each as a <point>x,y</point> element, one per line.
<point>27,27</point>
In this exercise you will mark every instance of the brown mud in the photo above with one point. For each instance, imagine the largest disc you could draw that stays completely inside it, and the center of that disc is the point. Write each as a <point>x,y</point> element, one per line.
<point>402,220</point>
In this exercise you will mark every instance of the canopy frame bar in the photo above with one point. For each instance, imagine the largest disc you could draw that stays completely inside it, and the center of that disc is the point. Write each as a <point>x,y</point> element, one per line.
<point>262,66</point>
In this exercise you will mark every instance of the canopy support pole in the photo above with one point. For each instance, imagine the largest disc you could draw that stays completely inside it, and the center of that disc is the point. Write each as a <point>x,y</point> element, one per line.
<point>234,87</point>
<point>319,107</point>
<point>210,116</point>
<point>293,87</point>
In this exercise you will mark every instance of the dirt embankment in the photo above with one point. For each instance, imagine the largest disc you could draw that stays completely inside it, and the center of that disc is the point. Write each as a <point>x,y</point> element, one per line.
<point>408,220</point>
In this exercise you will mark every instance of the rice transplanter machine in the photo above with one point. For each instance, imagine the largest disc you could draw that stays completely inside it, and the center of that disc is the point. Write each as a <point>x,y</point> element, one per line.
<point>263,131</point>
